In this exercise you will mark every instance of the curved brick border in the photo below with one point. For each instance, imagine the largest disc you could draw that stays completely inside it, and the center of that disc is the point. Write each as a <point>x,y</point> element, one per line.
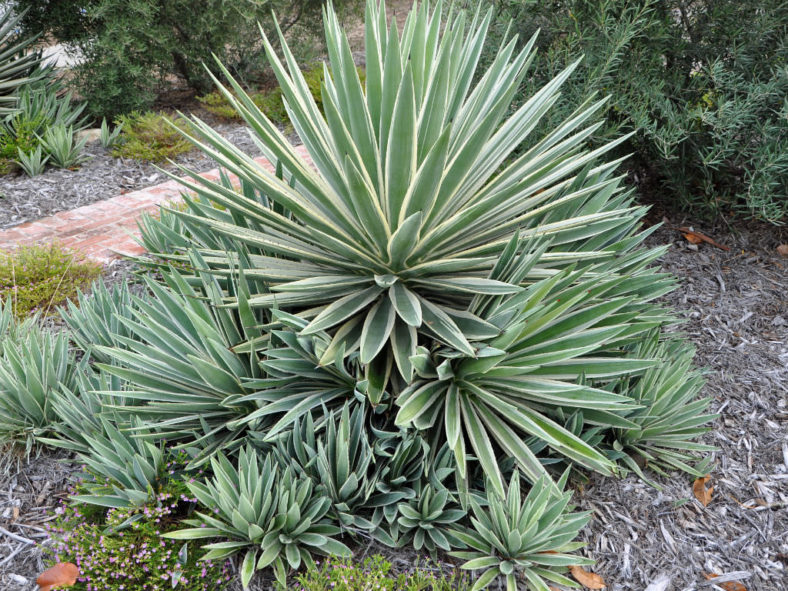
<point>106,229</point>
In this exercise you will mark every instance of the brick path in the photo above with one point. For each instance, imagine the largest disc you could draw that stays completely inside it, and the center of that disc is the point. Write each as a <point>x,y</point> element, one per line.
<point>106,229</point>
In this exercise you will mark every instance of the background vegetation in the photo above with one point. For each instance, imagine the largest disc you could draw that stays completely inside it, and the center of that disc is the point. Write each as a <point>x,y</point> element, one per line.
<point>129,49</point>
<point>702,83</point>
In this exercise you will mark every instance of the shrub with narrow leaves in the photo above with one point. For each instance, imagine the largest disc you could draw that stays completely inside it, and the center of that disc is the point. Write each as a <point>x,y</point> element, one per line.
<point>340,461</point>
<point>17,64</point>
<point>471,291</point>
<point>123,470</point>
<point>98,318</point>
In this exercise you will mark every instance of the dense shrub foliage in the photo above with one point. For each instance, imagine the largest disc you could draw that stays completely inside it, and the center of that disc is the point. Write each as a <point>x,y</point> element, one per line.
<point>702,83</point>
<point>128,48</point>
<point>375,572</point>
<point>416,338</point>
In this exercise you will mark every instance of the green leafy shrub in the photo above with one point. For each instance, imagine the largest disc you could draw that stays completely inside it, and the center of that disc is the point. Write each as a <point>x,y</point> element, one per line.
<point>122,548</point>
<point>701,83</point>
<point>149,136</point>
<point>336,574</point>
<point>270,102</point>
<point>129,49</point>
<point>39,278</point>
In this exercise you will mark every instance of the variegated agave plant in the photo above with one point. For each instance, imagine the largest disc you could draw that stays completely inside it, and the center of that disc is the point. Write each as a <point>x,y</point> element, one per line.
<point>18,63</point>
<point>475,299</point>
<point>433,257</point>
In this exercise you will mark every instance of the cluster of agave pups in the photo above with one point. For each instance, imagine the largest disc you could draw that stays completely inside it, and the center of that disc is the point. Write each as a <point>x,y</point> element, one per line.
<point>393,340</point>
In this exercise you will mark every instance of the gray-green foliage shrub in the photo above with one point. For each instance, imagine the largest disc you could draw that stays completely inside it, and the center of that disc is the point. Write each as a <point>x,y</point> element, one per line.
<point>32,367</point>
<point>275,516</point>
<point>98,318</point>
<point>45,118</point>
<point>129,47</point>
<point>63,148</point>
<point>702,83</point>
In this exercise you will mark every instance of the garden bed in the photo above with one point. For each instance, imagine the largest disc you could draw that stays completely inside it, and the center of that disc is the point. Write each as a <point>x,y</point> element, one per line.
<point>25,199</point>
<point>735,306</point>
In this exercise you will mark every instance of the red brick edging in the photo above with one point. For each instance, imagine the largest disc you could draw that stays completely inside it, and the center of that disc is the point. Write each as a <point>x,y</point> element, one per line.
<point>106,229</point>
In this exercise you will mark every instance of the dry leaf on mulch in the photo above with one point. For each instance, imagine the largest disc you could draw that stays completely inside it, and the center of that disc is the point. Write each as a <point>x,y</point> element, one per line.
<point>695,237</point>
<point>702,493</point>
<point>63,574</point>
<point>727,585</point>
<point>587,579</point>
<point>783,250</point>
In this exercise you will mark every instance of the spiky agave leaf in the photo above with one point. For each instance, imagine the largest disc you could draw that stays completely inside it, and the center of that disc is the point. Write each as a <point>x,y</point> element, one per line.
<point>273,515</point>
<point>17,66</point>
<point>338,459</point>
<point>33,366</point>
<point>671,416</point>
<point>80,411</point>
<point>95,319</point>
<point>399,231</point>
<point>124,470</point>
<point>570,325</point>
<point>522,538</point>
<point>178,366</point>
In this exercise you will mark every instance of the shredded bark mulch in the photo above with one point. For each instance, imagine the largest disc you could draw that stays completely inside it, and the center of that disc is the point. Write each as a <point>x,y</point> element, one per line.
<point>643,539</point>
<point>25,199</point>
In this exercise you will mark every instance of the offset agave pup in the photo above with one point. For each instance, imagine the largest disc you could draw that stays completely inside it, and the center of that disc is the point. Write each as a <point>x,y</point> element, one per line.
<point>436,264</point>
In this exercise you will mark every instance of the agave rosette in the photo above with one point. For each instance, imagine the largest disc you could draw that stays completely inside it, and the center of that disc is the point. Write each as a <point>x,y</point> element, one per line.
<point>480,278</point>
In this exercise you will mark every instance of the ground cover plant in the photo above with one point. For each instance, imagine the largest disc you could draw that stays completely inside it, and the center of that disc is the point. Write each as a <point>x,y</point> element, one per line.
<point>419,340</point>
<point>40,278</point>
<point>130,540</point>
<point>149,136</point>
<point>270,102</point>
<point>375,572</point>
